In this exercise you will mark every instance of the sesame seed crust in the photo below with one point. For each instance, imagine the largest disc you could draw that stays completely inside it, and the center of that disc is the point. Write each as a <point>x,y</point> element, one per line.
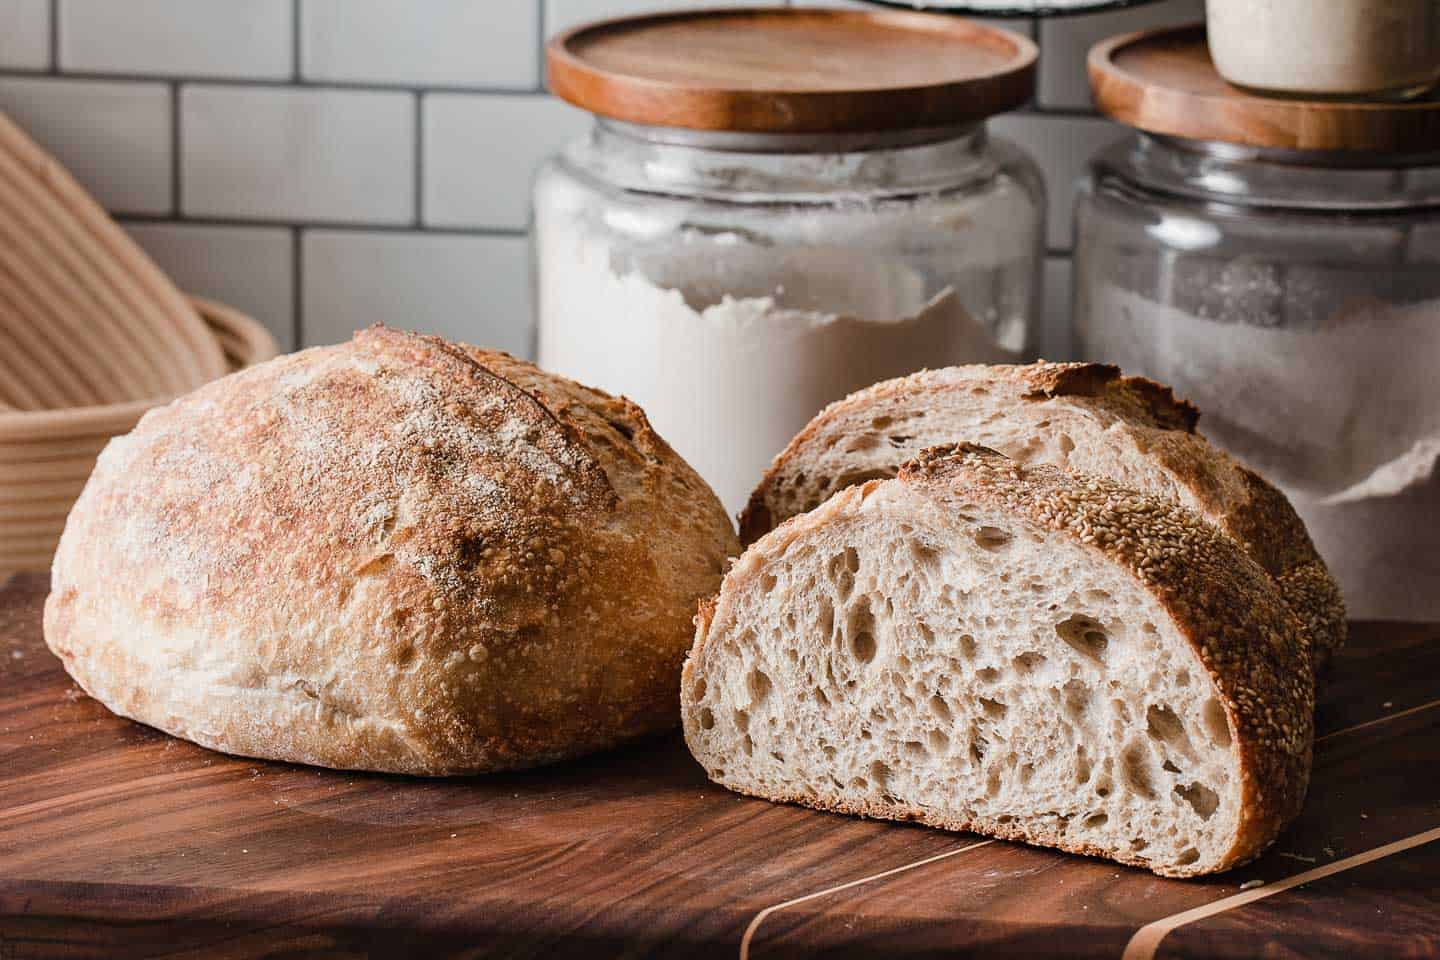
<point>1134,430</point>
<point>395,554</point>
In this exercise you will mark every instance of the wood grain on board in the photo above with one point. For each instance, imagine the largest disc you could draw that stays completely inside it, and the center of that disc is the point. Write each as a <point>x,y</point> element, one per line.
<point>1163,81</point>
<point>118,841</point>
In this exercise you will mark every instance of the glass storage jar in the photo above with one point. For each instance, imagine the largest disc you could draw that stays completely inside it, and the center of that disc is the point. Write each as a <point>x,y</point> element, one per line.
<point>1294,297</point>
<point>733,282</point>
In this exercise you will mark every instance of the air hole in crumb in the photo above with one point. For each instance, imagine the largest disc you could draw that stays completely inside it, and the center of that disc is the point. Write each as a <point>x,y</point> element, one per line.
<point>992,538</point>
<point>1169,767</point>
<point>880,423</point>
<point>757,682</point>
<point>967,646</point>
<point>1123,709</point>
<point>707,719</point>
<point>1076,699</point>
<point>860,632</point>
<point>988,674</point>
<point>742,720</point>
<point>1163,725</point>
<point>994,709</point>
<point>926,633</point>
<point>827,617</point>
<point>1027,771</point>
<point>1084,635</point>
<point>697,689</point>
<point>1135,770</point>
<point>749,745</point>
<point>978,746</point>
<point>821,700</point>
<point>992,784</point>
<point>1187,857</point>
<point>1095,821</point>
<point>866,441</point>
<point>880,773</point>
<point>857,477</point>
<point>1139,843</point>
<point>1065,444</point>
<point>1204,800</point>
<point>941,709</point>
<point>767,583</point>
<point>1083,766</point>
<point>1217,724</point>
<point>898,440</point>
<point>1104,786</point>
<point>916,749</point>
<point>1182,679</point>
<point>1027,662</point>
<point>939,742</point>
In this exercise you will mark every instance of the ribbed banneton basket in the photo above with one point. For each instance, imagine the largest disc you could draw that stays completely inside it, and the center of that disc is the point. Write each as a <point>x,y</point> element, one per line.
<point>47,455</point>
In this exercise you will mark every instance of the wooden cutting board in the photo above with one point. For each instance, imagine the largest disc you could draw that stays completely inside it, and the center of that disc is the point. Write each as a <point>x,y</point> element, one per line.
<point>117,841</point>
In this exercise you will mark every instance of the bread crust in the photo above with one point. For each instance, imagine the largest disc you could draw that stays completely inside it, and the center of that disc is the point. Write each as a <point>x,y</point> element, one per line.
<point>1230,612</point>
<point>395,554</point>
<point>1140,416</point>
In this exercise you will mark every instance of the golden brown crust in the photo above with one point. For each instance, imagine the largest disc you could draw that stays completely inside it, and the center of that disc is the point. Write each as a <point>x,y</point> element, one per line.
<point>1232,614</point>
<point>395,554</point>
<point>1140,412</point>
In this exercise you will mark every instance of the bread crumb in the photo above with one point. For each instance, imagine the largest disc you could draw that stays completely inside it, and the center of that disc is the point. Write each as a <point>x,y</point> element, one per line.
<point>1296,856</point>
<point>1252,884</point>
<point>1388,704</point>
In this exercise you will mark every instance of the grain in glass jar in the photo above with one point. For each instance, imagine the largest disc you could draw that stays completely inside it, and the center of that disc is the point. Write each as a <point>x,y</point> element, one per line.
<point>1278,263</point>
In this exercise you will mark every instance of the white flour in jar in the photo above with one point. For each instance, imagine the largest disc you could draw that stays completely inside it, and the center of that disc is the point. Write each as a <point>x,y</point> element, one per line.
<point>1344,418</point>
<point>726,373</point>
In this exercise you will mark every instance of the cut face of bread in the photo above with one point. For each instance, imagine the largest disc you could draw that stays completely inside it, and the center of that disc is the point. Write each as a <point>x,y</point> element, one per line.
<point>1083,417</point>
<point>980,646</point>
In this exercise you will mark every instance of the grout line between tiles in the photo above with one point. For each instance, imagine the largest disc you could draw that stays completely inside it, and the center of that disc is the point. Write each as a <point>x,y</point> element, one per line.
<point>295,18</point>
<point>273,83</point>
<point>54,36</point>
<point>540,39</point>
<point>419,160</point>
<point>334,227</point>
<point>175,185</point>
<point>297,288</point>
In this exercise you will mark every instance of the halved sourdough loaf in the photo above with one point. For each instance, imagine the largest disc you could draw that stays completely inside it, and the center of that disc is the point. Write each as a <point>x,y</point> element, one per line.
<point>1077,416</point>
<point>1016,651</point>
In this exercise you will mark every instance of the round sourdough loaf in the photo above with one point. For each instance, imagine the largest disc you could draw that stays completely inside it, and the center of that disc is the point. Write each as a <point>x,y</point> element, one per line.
<point>396,554</point>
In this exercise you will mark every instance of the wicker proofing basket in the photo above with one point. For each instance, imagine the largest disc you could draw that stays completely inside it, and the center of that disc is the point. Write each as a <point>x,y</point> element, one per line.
<point>47,455</point>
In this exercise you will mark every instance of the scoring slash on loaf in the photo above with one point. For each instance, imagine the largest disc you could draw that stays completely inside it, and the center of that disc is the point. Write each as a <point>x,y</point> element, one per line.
<point>1017,651</point>
<point>395,554</point>
<point>1076,416</point>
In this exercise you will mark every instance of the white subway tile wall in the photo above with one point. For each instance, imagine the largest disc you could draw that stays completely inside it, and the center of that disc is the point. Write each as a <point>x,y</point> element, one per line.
<point>24,34</point>
<point>115,137</point>
<point>481,150</point>
<point>328,164</point>
<point>441,43</point>
<point>197,38</point>
<point>279,153</point>
<point>249,268</point>
<point>475,289</point>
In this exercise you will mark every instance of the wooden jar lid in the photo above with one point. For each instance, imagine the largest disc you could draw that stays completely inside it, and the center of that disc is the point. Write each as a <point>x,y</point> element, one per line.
<point>1163,81</point>
<point>793,70</point>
